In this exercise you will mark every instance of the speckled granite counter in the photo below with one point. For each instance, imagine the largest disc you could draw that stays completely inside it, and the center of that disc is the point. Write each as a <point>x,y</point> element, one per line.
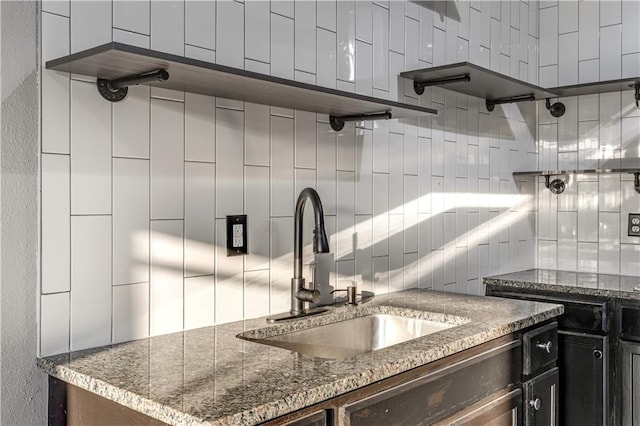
<point>208,376</point>
<point>618,286</point>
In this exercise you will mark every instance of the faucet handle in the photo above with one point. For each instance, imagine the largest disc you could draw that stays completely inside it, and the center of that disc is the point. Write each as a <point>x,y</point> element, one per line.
<point>307,295</point>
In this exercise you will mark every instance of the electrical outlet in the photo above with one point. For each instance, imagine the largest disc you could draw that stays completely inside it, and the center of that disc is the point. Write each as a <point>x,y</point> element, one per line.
<point>237,235</point>
<point>634,225</point>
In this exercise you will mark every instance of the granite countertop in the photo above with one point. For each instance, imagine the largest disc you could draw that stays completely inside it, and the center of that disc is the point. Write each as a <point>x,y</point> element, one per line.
<point>618,286</point>
<point>209,376</point>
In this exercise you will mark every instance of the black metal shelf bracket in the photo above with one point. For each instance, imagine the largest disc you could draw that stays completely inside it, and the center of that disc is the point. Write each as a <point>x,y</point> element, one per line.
<point>490,104</point>
<point>419,86</point>
<point>556,186</point>
<point>116,90</point>
<point>636,182</point>
<point>636,86</point>
<point>337,123</point>
<point>557,109</point>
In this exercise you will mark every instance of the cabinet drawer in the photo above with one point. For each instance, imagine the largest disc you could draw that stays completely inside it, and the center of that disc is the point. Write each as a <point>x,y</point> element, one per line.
<point>541,399</point>
<point>585,316</point>
<point>540,348</point>
<point>630,323</point>
<point>436,396</point>
<point>500,409</point>
<point>319,418</point>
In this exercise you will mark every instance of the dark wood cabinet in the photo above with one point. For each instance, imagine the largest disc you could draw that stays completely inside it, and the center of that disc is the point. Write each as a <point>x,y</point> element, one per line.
<point>485,385</point>
<point>481,385</point>
<point>630,383</point>
<point>541,399</point>
<point>584,362</point>
<point>590,375</point>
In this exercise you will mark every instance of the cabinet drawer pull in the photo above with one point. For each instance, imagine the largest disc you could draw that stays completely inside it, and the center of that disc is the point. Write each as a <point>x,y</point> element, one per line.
<point>545,346</point>
<point>536,404</point>
<point>597,354</point>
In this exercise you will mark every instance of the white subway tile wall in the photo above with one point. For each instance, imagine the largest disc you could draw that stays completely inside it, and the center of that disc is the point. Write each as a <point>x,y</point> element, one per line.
<point>585,228</point>
<point>135,194</point>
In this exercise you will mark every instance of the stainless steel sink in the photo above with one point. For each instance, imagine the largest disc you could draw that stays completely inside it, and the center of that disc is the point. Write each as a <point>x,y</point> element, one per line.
<point>355,336</point>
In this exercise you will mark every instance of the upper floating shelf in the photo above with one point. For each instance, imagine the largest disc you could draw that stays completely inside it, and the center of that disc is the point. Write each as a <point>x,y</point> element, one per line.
<point>557,186</point>
<point>597,87</point>
<point>577,172</point>
<point>471,79</point>
<point>497,88</point>
<point>124,64</point>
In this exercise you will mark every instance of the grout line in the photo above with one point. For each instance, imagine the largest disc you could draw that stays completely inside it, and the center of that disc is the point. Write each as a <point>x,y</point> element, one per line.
<point>184,205</point>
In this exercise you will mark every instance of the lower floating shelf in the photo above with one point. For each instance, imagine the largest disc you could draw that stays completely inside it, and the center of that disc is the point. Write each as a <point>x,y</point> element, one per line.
<point>557,186</point>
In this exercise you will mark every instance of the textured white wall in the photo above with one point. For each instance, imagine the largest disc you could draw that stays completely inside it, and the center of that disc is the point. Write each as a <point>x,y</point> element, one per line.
<point>585,228</point>
<point>134,194</point>
<point>22,384</point>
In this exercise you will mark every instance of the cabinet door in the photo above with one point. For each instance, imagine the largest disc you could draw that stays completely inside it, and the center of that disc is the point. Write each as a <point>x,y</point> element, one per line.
<point>500,409</point>
<point>630,384</point>
<point>541,399</point>
<point>584,388</point>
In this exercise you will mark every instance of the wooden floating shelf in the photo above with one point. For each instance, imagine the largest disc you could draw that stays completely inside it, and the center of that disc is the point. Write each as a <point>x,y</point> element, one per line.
<point>577,172</point>
<point>557,186</point>
<point>597,87</point>
<point>113,61</point>
<point>482,83</point>
<point>496,88</point>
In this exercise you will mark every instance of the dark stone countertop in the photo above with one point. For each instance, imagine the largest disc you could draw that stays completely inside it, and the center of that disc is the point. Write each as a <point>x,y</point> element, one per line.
<point>209,376</point>
<point>617,286</point>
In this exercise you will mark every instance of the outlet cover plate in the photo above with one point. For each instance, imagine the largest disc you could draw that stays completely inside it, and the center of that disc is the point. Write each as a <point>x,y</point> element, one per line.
<point>237,235</point>
<point>634,225</point>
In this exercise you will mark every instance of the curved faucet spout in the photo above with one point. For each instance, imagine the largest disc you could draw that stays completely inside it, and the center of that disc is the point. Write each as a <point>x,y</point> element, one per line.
<point>320,245</point>
<point>320,241</point>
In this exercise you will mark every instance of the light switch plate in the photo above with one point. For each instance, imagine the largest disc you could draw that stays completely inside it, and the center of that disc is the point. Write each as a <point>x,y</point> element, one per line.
<point>237,235</point>
<point>634,225</point>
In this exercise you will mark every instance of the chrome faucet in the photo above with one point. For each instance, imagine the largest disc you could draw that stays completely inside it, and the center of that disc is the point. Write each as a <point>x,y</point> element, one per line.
<point>299,293</point>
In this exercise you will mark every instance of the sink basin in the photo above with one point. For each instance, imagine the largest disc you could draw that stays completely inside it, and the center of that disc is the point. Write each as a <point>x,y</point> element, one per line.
<point>355,336</point>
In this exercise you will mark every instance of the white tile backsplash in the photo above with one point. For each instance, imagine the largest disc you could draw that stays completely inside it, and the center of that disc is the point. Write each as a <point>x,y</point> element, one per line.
<point>282,163</point>
<point>130,221</point>
<point>630,25</point>
<point>90,281</point>
<point>199,214</point>
<point>168,26</point>
<point>200,24</point>
<point>56,99</point>
<point>130,312</point>
<point>548,36</point>
<point>610,52</point>
<point>90,150</point>
<point>131,124</point>
<point>229,145</point>
<point>91,24</point>
<point>382,184</point>
<point>199,302</point>
<point>166,304</point>
<point>56,224</point>
<point>167,159</point>
<point>230,28</point>
<point>326,58</point>
<point>133,16</point>
<point>54,323</point>
<point>305,36</point>
<point>199,128</point>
